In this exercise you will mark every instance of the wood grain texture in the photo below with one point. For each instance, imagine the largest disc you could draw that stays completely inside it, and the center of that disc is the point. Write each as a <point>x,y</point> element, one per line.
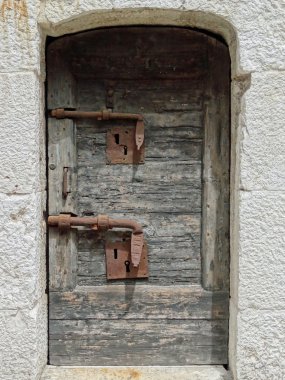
<point>138,342</point>
<point>63,261</point>
<point>60,80</point>
<point>216,172</point>
<point>155,193</point>
<point>126,55</point>
<point>137,302</point>
<point>61,154</point>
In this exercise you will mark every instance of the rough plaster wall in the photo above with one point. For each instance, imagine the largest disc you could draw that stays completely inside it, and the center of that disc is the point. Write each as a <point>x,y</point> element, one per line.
<point>23,331</point>
<point>258,261</point>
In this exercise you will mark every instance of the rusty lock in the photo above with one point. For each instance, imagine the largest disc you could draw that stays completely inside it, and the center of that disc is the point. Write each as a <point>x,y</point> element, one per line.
<point>103,223</point>
<point>61,113</point>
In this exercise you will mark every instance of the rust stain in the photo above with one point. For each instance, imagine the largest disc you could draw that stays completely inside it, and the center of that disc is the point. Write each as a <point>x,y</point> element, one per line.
<point>126,374</point>
<point>6,5</point>
<point>20,10</point>
<point>19,214</point>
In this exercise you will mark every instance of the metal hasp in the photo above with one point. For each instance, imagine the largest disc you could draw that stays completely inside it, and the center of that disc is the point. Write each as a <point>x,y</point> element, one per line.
<point>118,261</point>
<point>103,223</point>
<point>121,147</point>
<point>61,113</point>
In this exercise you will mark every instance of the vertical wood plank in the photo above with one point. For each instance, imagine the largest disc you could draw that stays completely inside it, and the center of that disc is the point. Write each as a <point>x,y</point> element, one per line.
<point>61,154</point>
<point>216,180</point>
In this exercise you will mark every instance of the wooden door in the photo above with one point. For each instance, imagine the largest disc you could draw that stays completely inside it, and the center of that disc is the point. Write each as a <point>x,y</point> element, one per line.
<point>179,80</point>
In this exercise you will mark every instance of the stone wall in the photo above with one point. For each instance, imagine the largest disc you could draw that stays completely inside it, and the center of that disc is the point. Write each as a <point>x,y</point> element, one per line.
<point>256,36</point>
<point>23,321</point>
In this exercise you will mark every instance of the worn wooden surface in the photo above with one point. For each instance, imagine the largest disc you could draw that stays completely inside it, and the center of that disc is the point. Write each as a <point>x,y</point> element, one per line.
<point>138,342</point>
<point>164,194</point>
<point>160,54</point>
<point>173,77</point>
<point>173,255</point>
<point>137,302</point>
<point>216,172</point>
<point>61,154</point>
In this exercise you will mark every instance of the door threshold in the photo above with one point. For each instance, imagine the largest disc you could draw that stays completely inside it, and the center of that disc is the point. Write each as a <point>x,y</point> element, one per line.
<point>206,372</point>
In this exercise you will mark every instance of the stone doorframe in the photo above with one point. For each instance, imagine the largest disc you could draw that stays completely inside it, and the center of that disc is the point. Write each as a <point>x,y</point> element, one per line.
<point>256,42</point>
<point>240,82</point>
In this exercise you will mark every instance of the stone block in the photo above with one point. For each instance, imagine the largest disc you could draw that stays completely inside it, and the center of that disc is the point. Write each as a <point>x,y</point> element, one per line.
<point>20,47</point>
<point>262,145</point>
<point>23,350</point>
<point>139,373</point>
<point>22,251</point>
<point>261,349</point>
<point>262,247</point>
<point>22,150</point>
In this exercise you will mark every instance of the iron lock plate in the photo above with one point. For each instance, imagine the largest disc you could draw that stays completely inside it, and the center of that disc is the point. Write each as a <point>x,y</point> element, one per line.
<point>121,146</point>
<point>118,261</point>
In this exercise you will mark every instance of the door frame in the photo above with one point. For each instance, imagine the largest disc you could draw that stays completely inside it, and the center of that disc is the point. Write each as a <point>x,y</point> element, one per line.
<point>240,83</point>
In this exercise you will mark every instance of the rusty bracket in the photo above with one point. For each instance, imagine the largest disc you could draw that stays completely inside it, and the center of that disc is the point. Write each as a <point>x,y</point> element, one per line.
<point>61,113</point>
<point>103,223</point>
<point>66,182</point>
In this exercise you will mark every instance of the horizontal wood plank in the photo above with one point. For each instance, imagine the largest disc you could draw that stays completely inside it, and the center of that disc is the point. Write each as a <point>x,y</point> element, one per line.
<point>130,196</point>
<point>138,342</point>
<point>139,302</point>
<point>158,173</point>
<point>155,97</point>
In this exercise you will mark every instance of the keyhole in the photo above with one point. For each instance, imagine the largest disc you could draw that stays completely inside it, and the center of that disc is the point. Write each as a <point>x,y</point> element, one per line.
<point>127,264</point>
<point>115,253</point>
<point>117,138</point>
<point>125,150</point>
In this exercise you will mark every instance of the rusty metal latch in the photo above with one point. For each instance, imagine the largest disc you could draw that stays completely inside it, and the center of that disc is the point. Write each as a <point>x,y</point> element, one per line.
<point>103,223</point>
<point>66,182</point>
<point>61,113</point>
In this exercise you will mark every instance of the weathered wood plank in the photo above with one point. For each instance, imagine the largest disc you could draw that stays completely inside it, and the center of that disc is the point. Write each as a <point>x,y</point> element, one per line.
<point>130,196</point>
<point>191,124</point>
<point>96,67</point>
<point>63,261</point>
<point>61,154</point>
<point>159,40</point>
<point>139,302</point>
<point>192,277</point>
<point>156,173</point>
<point>91,93</point>
<point>175,274</point>
<point>216,174</point>
<point>167,102</point>
<point>138,342</point>
<point>144,57</point>
<point>93,147</point>
<point>60,81</point>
